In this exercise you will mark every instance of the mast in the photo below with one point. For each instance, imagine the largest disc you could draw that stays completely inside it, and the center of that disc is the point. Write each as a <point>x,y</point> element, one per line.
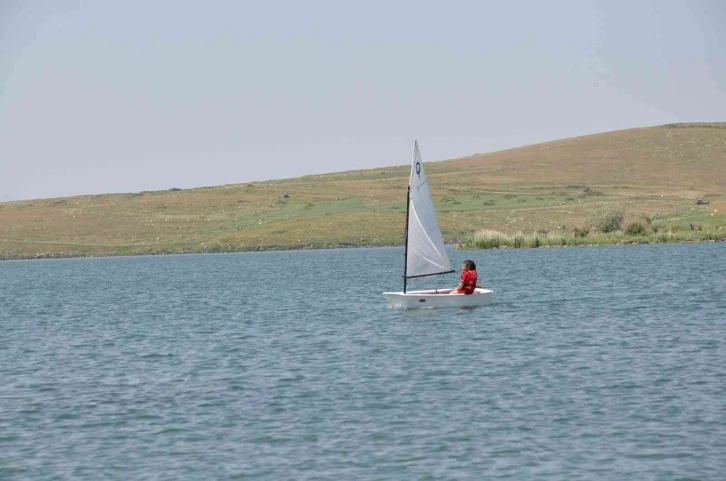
<point>408,209</point>
<point>405,249</point>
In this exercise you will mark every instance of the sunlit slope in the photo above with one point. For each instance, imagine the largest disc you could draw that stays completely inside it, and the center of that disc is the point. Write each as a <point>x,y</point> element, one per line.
<point>676,155</point>
<point>659,171</point>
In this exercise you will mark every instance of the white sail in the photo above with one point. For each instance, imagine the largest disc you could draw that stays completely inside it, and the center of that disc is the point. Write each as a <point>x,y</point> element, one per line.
<point>425,254</point>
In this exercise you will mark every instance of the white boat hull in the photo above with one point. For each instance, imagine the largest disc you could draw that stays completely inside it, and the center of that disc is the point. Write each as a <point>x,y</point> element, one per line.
<point>437,298</point>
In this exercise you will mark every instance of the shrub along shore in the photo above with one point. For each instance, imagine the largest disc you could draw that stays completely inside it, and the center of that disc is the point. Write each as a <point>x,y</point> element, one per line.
<point>607,229</point>
<point>497,240</point>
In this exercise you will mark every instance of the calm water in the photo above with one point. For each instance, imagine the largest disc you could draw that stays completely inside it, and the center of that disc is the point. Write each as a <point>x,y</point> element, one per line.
<point>603,363</point>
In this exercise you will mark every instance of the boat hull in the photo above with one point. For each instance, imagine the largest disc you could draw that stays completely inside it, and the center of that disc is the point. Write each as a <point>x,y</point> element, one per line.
<point>437,298</point>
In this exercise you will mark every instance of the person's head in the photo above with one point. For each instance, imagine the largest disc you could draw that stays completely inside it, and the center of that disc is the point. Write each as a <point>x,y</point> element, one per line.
<point>468,265</point>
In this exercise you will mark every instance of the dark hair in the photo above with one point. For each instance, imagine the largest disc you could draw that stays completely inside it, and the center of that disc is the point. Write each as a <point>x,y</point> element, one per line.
<point>470,265</point>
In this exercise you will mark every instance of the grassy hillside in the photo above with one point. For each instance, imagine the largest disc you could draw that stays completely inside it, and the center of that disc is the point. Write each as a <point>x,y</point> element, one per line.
<point>551,187</point>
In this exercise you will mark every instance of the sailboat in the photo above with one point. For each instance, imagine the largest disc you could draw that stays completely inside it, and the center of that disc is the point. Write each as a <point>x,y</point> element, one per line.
<point>424,253</point>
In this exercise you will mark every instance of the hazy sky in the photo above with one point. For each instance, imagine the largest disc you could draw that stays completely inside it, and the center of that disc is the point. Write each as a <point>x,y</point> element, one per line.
<point>122,96</point>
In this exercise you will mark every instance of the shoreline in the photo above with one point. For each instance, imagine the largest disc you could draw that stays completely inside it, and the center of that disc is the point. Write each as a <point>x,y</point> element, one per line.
<point>458,247</point>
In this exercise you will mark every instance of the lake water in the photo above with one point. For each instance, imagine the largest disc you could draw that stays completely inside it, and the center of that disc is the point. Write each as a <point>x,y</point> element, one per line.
<point>603,363</point>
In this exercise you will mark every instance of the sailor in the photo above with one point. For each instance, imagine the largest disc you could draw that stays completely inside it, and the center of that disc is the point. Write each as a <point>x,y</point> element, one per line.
<point>467,284</point>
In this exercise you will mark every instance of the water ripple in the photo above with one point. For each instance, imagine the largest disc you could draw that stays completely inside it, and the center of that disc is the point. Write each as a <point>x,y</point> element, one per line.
<point>599,363</point>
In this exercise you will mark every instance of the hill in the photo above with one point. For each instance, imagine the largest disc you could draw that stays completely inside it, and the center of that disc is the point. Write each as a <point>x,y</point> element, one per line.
<point>657,171</point>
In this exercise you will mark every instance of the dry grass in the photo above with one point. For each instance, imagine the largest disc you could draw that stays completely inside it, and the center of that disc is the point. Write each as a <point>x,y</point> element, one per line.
<point>659,172</point>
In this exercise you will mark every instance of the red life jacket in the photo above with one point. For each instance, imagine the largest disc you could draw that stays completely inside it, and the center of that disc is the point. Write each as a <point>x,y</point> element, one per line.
<point>468,278</point>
